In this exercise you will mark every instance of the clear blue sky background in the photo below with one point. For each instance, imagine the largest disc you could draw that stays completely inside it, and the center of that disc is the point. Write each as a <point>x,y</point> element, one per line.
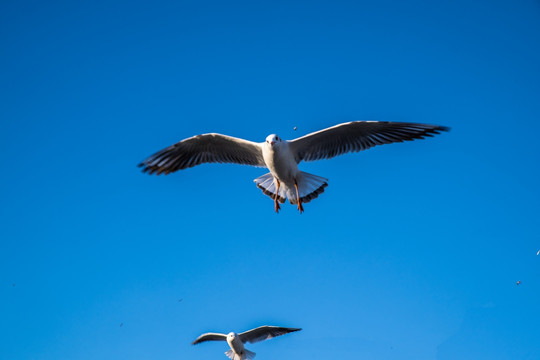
<point>413,251</point>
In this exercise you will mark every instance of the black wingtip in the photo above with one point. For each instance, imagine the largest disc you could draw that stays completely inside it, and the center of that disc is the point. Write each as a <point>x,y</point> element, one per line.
<point>293,329</point>
<point>444,128</point>
<point>144,166</point>
<point>145,169</point>
<point>150,170</point>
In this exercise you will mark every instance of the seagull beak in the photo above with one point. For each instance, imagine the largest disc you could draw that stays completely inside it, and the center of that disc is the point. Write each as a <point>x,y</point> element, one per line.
<point>272,143</point>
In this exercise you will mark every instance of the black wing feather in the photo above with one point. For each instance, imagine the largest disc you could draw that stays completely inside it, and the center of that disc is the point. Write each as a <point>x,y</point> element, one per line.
<point>207,148</point>
<point>264,333</point>
<point>356,136</point>
<point>210,337</point>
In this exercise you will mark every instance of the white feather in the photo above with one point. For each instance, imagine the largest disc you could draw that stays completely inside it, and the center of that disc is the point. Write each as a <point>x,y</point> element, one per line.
<point>309,187</point>
<point>248,355</point>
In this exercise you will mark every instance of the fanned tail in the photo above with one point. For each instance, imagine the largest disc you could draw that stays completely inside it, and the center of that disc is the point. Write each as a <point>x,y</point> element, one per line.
<point>309,187</point>
<point>248,355</point>
<point>268,186</point>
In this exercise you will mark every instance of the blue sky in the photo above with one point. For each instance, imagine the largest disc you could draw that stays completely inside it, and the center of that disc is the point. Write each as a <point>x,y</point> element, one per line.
<point>412,252</point>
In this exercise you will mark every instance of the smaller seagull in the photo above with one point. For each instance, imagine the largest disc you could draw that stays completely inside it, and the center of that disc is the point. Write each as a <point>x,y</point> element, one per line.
<point>518,282</point>
<point>538,253</point>
<point>237,341</point>
<point>294,128</point>
<point>180,300</point>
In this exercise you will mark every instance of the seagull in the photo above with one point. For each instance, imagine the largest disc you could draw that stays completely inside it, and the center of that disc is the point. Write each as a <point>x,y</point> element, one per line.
<point>281,157</point>
<point>237,341</point>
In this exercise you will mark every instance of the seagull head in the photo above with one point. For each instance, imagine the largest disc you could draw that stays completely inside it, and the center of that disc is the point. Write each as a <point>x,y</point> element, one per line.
<point>231,336</point>
<point>273,139</point>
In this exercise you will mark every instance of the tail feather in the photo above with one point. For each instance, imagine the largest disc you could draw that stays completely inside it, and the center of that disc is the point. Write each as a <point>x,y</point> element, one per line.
<point>268,186</point>
<point>248,355</point>
<point>309,187</point>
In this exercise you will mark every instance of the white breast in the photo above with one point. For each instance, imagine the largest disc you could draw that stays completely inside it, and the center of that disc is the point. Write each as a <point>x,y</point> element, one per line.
<point>280,161</point>
<point>236,345</point>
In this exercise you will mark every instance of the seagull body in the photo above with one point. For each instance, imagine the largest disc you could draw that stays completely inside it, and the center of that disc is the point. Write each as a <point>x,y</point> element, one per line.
<point>281,157</point>
<point>237,347</point>
<point>285,181</point>
<point>237,341</point>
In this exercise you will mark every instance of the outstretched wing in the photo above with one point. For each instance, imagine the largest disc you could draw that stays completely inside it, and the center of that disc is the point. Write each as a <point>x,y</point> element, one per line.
<point>210,337</point>
<point>264,333</point>
<point>207,148</point>
<point>356,136</point>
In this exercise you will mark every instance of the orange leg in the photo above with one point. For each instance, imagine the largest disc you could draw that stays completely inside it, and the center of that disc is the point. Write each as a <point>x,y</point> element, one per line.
<point>300,207</point>
<point>276,202</point>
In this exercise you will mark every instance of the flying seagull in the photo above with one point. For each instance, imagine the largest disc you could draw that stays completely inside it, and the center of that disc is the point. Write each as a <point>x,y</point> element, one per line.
<point>281,157</point>
<point>237,341</point>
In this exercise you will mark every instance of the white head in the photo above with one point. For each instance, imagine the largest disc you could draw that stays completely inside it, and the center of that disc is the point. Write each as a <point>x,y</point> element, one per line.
<point>231,336</point>
<point>273,139</point>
